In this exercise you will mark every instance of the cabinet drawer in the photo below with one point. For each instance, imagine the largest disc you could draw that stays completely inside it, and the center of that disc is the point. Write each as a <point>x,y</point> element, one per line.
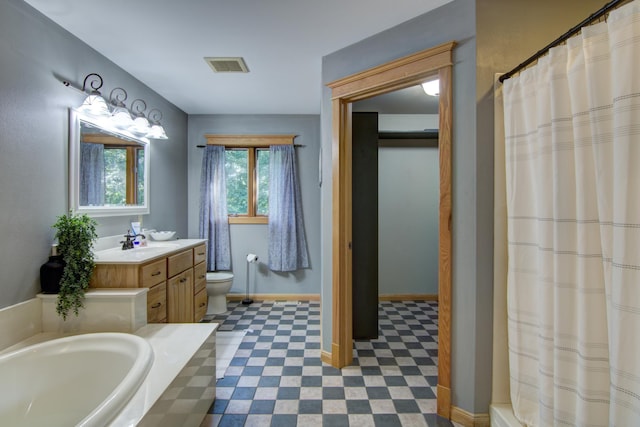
<point>179,262</point>
<point>200,276</point>
<point>153,273</point>
<point>200,303</point>
<point>157,304</point>
<point>199,254</point>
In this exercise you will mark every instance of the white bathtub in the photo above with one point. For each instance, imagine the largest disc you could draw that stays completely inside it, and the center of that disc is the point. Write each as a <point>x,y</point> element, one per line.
<point>81,380</point>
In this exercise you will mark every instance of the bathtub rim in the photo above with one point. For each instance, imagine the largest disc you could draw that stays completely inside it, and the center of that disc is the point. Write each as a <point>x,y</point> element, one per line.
<point>118,398</point>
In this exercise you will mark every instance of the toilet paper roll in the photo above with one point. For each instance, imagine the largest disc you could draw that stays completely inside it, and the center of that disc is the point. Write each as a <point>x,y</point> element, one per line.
<point>252,257</point>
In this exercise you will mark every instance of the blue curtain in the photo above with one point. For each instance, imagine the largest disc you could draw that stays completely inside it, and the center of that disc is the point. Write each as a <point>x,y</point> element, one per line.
<point>214,222</point>
<point>287,242</point>
<point>92,179</point>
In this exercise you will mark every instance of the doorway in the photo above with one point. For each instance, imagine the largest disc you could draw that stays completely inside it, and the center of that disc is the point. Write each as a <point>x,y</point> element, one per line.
<point>395,170</point>
<point>398,74</point>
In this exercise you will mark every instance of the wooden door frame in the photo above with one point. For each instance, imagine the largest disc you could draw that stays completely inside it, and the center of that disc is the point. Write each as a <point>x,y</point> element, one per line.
<point>399,74</point>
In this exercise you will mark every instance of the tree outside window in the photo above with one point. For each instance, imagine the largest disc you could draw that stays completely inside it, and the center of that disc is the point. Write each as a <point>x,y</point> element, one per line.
<point>247,177</point>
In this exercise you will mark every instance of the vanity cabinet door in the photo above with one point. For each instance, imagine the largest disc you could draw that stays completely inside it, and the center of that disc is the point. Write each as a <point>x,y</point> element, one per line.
<point>180,298</point>
<point>157,304</point>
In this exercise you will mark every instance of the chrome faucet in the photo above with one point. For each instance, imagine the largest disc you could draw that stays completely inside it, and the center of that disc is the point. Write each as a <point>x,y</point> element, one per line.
<point>128,244</point>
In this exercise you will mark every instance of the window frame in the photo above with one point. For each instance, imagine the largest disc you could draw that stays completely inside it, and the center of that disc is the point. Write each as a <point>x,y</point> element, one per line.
<point>251,143</point>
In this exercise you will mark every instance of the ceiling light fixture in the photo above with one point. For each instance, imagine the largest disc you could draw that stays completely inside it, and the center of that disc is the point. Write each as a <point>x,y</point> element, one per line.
<point>432,88</point>
<point>114,114</point>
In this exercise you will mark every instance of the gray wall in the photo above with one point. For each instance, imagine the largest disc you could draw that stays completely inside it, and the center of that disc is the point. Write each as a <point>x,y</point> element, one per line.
<point>34,108</point>
<point>408,220</point>
<point>253,238</point>
<point>454,21</point>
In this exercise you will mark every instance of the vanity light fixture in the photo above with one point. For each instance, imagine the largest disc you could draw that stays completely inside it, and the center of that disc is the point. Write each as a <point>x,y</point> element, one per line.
<point>114,114</point>
<point>140,123</point>
<point>432,88</point>
<point>157,131</point>
<point>94,104</point>
<point>120,116</point>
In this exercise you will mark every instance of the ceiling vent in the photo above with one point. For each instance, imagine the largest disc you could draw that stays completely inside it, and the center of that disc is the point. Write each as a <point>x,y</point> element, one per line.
<point>227,65</point>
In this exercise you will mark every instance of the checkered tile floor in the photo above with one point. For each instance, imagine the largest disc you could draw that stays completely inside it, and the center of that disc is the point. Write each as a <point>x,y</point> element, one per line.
<point>277,378</point>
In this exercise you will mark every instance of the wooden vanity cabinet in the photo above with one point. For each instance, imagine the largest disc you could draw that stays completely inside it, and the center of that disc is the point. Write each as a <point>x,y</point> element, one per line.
<point>180,298</point>
<point>153,276</point>
<point>200,290</point>
<point>200,282</point>
<point>180,287</point>
<point>177,284</point>
<point>157,304</point>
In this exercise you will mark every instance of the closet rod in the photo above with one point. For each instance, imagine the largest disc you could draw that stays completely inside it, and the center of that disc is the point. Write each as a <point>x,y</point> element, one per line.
<point>594,16</point>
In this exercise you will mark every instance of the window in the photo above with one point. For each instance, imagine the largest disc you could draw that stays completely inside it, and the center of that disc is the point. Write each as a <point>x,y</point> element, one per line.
<point>237,177</point>
<point>247,174</point>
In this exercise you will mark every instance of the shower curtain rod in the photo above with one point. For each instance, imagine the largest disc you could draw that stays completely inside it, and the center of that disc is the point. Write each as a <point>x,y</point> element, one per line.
<point>295,145</point>
<point>594,16</point>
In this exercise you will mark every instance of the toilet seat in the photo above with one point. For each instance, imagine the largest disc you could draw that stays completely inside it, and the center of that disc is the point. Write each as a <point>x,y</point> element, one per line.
<point>218,276</point>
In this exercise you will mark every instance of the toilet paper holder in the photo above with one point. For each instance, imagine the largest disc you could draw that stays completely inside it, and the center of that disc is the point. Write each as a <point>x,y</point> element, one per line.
<point>251,259</point>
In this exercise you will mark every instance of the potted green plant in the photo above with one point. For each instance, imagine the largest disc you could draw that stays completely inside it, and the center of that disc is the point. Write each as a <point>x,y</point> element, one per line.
<point>75,234</point>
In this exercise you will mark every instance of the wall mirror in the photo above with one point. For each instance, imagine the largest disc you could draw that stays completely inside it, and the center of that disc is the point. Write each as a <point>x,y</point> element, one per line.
<point>108,169</point>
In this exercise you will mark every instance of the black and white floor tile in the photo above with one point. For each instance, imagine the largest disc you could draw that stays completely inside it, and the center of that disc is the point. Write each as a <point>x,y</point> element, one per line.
<point>276,377</point>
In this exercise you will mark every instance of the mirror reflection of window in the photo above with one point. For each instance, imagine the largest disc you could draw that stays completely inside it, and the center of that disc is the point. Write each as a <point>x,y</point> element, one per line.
<point>92,177</point>
<point>111,171</point>
<point>115,168</point>
<point>139,177</point>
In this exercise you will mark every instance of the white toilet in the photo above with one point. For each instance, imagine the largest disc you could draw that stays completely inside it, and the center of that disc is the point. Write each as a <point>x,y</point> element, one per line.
<point>218,285</point>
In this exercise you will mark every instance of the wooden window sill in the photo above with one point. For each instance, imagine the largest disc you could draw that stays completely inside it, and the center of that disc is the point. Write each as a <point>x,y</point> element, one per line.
<point>248,220</point>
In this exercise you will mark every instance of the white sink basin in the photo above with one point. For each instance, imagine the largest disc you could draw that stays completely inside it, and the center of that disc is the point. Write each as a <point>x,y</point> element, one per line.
<point>115,255</point>
<point>137,254</point>
<point>153,245</point>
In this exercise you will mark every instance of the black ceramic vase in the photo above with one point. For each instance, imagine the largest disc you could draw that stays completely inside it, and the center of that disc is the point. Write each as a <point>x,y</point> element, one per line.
<point>51,274</point>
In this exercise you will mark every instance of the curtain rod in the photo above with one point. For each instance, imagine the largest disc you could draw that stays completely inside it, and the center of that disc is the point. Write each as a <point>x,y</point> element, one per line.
<point>295,145</point>
<point>594,16</point>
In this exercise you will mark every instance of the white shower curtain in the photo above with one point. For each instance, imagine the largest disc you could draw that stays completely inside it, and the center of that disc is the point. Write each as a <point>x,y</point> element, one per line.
<point>572,132</point>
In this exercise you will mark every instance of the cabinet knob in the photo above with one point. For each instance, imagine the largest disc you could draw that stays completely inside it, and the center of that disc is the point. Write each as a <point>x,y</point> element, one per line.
<point>156,305</point>
<point>157,273</point>
<point>200,253</point>
<point>202,304</point>
<point>184,279</point>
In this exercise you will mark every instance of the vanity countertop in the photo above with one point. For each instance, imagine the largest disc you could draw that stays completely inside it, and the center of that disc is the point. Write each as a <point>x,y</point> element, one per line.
<point>153,250</point>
